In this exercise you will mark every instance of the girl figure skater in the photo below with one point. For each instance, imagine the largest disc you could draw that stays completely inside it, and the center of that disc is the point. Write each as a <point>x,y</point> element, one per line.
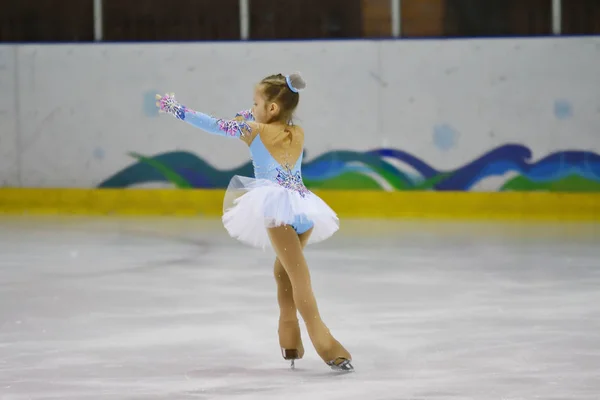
<point>275,208</point>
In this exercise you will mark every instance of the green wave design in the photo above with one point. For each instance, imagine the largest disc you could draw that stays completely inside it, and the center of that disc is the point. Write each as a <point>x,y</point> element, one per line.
<point>167,172</point>
<point>572,183</point>
<point>358,181</point>
<point>347,180</point>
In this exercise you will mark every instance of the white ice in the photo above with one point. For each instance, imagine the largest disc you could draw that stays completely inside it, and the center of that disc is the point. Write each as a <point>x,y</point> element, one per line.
<point>172,308</point>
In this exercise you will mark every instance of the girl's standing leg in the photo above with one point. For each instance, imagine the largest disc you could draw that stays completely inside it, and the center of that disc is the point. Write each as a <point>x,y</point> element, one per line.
<point>288,248</point>
<point>290,339</point>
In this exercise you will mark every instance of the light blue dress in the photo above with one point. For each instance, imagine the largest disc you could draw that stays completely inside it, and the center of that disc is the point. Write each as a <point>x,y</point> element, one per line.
<point>275,196</point>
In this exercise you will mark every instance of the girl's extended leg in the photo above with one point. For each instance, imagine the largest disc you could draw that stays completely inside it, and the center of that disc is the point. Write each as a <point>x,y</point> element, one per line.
<point>288,248</point>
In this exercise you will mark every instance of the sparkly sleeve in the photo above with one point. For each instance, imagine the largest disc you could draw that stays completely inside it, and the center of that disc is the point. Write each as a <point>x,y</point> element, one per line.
<point>245,115</point>
<point>216,126</point>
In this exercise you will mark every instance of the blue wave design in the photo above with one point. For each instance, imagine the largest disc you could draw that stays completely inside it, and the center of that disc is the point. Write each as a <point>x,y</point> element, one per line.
<point>420,166</point>
<point>515,158</point>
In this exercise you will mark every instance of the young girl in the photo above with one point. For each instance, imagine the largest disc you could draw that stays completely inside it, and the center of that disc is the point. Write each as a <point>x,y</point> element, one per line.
<point>275,208</point>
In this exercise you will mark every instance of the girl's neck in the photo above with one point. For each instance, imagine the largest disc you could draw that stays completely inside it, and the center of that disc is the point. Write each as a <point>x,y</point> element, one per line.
<point>279,124</point>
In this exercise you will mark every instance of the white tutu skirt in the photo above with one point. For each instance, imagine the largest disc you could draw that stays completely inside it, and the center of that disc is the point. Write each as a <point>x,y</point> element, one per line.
<point>251,206</point>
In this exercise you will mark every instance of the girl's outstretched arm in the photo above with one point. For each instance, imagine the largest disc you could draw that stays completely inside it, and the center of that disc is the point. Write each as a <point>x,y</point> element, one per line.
<point>241,127</point>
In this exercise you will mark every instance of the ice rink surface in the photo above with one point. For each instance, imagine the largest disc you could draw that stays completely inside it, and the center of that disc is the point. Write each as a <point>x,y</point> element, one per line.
<point>172,308</point>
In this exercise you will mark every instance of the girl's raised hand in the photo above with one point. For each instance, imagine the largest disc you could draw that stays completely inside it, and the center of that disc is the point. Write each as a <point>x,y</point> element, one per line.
<point>167,104</point>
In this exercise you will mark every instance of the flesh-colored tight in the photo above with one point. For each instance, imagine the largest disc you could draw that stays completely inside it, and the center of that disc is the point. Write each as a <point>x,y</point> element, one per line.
<point>294,293</point>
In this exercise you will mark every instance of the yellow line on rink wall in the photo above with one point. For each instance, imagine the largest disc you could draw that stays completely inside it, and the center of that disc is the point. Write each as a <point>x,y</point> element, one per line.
<point>350,204</point>
<point>112,201</point>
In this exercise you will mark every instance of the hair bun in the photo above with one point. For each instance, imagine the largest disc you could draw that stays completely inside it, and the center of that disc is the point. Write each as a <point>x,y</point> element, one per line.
<point>296,81</point>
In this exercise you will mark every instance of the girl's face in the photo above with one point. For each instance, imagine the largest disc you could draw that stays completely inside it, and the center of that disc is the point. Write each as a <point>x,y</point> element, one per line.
<point>263,111</point>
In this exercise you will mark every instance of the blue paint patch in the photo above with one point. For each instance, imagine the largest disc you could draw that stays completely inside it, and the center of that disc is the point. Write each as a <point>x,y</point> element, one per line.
<point>98,153</point>
<point>149,104</point>
<point>563,109</point>
<point>445,137</point>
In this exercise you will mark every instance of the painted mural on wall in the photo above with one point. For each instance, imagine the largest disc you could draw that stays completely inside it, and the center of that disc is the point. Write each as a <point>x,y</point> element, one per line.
<point>381,169</point>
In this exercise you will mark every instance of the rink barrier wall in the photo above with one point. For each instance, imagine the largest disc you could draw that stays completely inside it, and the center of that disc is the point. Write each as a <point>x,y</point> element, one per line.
<point>475,115</point>
<point>348,204</point>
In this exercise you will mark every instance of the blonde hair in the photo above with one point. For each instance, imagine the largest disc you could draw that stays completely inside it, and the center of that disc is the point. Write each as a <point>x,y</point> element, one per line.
<point>283,90</point>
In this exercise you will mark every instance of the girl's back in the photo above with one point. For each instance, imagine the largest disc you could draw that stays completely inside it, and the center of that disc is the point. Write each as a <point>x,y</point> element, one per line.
<point>276,146</point>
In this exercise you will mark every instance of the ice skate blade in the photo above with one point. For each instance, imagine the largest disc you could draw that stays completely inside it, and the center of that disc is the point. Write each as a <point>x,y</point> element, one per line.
<point>343,366</point>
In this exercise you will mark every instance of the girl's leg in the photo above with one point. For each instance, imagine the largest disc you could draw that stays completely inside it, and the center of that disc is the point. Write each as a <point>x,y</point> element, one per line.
<point>288,248</point>
<point>290,339</point>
